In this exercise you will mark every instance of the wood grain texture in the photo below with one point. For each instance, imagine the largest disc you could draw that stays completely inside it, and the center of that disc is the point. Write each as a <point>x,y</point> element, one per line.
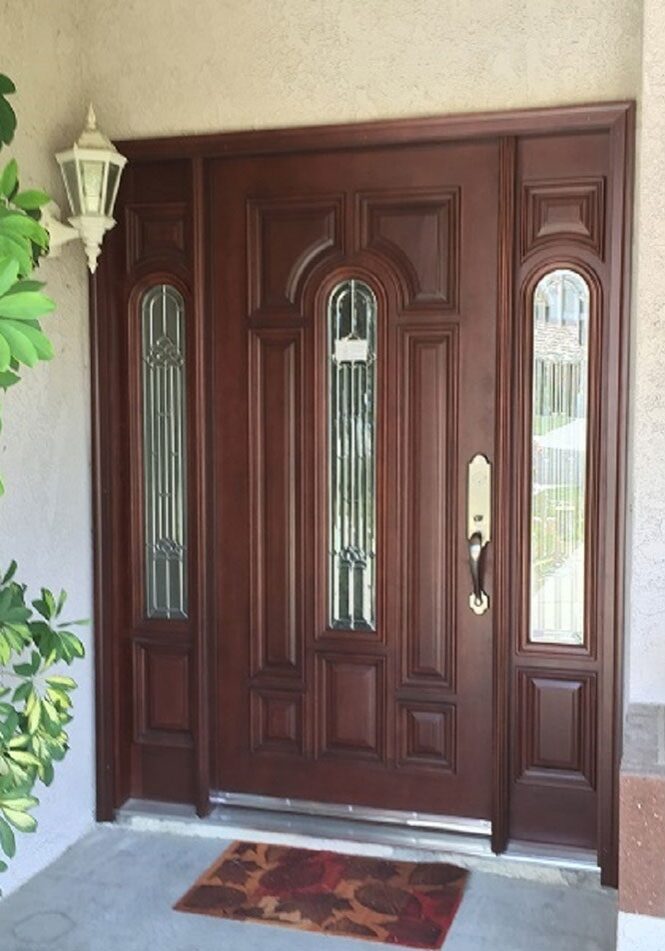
<point>356,213</point>
<point>275,381</point>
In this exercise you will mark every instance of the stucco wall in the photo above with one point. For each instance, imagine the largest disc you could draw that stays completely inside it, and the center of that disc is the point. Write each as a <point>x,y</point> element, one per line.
<point>646,606</point>
<point>173,66</point>
<point>162,66</point>
<point>45,442</point>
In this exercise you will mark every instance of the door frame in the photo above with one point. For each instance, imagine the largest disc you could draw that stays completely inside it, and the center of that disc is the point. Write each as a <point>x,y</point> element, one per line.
<point>615,118</point>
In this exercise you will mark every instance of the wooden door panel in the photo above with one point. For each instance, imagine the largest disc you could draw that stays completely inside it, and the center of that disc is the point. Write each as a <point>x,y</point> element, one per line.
<point>286,238</point>
<point>428,373</point>
<point>396,716</point>
<point>427,735</point>
<point>275,375</point>
<point>351,695</point>
<point>418,231</point>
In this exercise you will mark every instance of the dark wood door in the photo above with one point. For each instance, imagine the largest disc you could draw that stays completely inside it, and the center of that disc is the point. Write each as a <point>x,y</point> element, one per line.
<point>493,252</point>
<point>393,709</point>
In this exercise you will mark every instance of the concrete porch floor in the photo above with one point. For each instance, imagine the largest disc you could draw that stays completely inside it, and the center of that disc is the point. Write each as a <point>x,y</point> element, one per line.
<point>113,891</point>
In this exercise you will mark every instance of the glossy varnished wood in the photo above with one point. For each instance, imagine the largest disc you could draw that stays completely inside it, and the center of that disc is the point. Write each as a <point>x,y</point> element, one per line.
<point>294,226</point>
<point>162,697</point>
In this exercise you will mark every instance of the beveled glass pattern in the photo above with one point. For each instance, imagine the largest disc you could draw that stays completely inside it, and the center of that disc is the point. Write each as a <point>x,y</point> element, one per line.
<point>352,318</point>
<point>164,462</point>
<point>559,457</point>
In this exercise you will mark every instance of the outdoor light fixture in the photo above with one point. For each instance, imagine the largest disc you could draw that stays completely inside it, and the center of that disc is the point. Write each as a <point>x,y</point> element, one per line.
<point>91,171</point>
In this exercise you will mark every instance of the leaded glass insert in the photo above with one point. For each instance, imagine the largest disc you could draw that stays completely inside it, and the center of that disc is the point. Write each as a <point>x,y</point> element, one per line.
<point>352,318</point>
<point>559,457</point>
<point>164,457</point>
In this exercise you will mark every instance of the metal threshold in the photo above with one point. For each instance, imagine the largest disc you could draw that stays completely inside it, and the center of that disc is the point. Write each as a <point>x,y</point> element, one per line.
<point>303,807</point>
<point>363,836</point>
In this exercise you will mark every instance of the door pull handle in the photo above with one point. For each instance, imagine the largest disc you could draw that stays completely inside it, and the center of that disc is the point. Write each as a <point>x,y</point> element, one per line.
<point>478,600</point>
<point>479,501</point>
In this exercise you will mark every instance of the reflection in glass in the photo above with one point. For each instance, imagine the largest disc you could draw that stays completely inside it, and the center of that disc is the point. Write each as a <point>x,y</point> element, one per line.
<point>163,372</point>
<point>352,440</point>
<point>559,457</point>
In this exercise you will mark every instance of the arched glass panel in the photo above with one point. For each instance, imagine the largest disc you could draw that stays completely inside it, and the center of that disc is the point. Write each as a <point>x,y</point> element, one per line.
<point>559,457</point>
<point>352,316</point>
<point>164,468</point>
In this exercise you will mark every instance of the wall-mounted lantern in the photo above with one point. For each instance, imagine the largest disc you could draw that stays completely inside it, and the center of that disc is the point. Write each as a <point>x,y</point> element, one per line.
<point>91,171</point>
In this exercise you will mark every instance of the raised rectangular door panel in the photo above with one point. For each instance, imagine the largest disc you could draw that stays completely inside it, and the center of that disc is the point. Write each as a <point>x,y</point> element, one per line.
<point>275,458</point>
<point>156,233</point>
<point>558,728</point>
<point>417,230</point>
<point>564,209</point>
<point>429,361</point>
<point>277,721</point>
<point>351,694</point>
<point>427,735</point>
<point>162,695</point>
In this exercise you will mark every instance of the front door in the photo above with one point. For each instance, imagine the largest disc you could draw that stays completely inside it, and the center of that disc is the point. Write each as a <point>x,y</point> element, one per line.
<point>359,455</point>
<point>354,305</point>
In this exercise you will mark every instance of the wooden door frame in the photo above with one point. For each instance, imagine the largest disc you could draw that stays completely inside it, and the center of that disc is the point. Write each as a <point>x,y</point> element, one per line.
<point>615,118</point>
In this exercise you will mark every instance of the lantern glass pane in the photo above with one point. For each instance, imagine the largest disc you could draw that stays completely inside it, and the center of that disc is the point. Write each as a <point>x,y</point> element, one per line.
<point>71,184</point>
<point>92,176</point>
<point>111,185</point>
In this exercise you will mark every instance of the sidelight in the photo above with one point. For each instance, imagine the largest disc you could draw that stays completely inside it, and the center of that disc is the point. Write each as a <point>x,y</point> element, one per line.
<point>352,319</point>
<point>559,438</point>
<point>164,462</point>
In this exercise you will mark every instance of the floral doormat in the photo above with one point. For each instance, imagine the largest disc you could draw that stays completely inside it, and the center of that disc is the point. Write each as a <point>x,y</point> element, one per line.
<point>407,903</point>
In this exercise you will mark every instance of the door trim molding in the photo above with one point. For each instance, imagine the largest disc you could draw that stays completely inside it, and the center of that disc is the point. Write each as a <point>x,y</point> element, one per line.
<point>616,118</point>
<point>412,131</point>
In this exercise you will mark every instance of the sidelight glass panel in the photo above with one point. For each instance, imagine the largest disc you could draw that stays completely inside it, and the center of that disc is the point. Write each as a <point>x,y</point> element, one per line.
<point>164,462</point>
<point>352,318</point>
<point>559,457</point>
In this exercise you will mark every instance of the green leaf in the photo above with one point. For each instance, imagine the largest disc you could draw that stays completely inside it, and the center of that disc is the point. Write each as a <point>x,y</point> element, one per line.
<point>22,821</point>
<point>6,85</point>
<point>21,692</point>
<point>9,179</point>
<point>34,713</point>
<point>5,355</point>
<point>23,670</point>
<point>39,340</point>
<point>25,305</point>
<point>7,839</point>
<point>26,285</point>
<point>18,742</point>
<point>9,574</point>
<point>23,758</point>
<point>8,274</point>
<point>7,122</point>
<point>26,227</point>
<point>19,250</point>
<point>7,379</point>
<point>22,349</point>
<point>31,198</point>
<point>65,683</point>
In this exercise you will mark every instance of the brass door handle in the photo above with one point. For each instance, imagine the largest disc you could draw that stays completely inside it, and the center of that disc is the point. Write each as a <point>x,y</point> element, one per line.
<point>479,521</point>
<point>478,600</point>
